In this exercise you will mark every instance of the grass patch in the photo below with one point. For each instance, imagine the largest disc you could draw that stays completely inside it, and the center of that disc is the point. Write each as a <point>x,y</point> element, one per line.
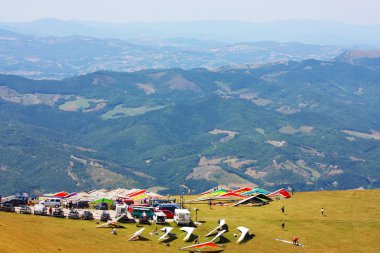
<point>351,224</point>
<point>120,111</point>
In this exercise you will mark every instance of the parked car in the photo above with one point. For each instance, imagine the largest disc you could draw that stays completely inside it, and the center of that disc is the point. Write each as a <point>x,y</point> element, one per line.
<point>7,207</point>
<point>168,206</point>
<point>131,207</point>
<point>101,206</point>
<point>40,209</point>
<point>73,214</point>
<point>87,215</point>
<point>105,216</point>
<point>25,209</point>
<point>58,212</point>
<point>123,218</point>
<point>17,201</point>
<point>53,202</point>
<point>81,204</point>
<point>168,214</point>
<point>138,211</point>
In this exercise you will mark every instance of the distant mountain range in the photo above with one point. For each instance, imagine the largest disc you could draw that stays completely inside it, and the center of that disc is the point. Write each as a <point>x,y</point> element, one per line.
<point>309,125</point>
<point>326,32</point>
<point>60,57</point>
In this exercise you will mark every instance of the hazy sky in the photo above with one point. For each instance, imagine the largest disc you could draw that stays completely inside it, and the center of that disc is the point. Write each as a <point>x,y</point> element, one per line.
<point>349,11</point>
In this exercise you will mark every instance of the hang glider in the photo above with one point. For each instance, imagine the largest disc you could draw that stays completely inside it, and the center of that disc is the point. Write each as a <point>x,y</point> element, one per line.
<point>136,235</point>
<point>218,235</point>
<point>289,242</point>
<point>203,247</point>
<point>244,231</point>
<point>257,199</point>
<point>109,224</point>
<point>167,231</point>
<point>189,231</point>
<point>221,223</point>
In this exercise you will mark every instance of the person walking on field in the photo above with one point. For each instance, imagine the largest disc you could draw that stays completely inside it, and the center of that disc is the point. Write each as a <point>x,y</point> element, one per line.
<point>283,225</point>
<point>322,212</point>
<point>283,209</point>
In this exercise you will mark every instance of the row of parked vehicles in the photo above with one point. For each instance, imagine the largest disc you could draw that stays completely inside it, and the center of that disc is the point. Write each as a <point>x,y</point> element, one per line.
<point>158,212</point>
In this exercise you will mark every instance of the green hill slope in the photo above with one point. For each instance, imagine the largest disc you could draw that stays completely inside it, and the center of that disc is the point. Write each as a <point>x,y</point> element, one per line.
<point>308,125</point>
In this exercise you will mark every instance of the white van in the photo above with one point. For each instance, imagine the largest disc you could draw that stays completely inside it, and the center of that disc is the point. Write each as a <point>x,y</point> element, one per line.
<point>53,202</point>
<point>159,217</point>
<point>40,209</point>
<point>120,210</point>
<point>182,217</point>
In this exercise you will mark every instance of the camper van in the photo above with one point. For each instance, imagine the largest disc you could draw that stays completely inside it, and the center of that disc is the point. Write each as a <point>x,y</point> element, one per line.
<point>182,217</point>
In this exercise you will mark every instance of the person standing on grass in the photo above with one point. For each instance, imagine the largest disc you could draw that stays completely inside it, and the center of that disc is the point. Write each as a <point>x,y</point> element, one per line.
<point>283,209</point>
<point>322,211</point>
<point>210,204</point>
<point>283,225</point>
<point>295,240</point>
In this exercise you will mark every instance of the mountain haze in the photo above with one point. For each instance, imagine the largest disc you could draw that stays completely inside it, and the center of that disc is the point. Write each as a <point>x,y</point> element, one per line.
<point>327,32</point>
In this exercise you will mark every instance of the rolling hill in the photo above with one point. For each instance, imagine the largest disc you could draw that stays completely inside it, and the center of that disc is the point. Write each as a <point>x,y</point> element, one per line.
<point>309,125</point>
<point>59,57</point>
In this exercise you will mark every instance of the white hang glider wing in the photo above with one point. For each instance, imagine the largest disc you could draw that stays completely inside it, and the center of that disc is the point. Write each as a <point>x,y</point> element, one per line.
<point>218,235</point>
<point>244,231</point>
<point>136,235</point>
<point>109,224</point>
<point>189,231</point>
<point>289,242</point>
<point>167,231</point>
<point>221,223</point>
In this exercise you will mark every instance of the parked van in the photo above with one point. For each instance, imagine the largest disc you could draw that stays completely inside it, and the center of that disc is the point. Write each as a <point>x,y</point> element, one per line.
<point>159,217</point>
<point>53,202</point>
<point>120,210</point>
<point>182,217</point>
<point>138,211</point>
<point>40,209</point>
<point>168,206</point>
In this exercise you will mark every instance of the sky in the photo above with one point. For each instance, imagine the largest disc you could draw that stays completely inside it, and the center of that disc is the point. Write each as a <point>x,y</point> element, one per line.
<point>360,12</point>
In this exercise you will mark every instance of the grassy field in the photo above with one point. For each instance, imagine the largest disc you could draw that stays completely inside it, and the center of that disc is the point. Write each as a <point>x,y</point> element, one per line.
<point>120,111</point>
<point>351,224</point>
